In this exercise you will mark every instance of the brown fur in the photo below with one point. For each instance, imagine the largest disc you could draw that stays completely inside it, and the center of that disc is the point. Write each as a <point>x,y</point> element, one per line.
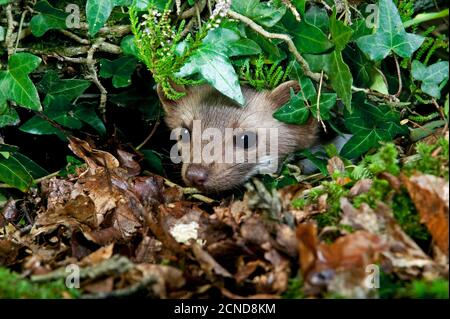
<point>217,111</point>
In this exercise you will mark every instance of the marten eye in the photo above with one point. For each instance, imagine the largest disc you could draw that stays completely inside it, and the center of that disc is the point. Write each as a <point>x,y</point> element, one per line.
<point>245,140</point>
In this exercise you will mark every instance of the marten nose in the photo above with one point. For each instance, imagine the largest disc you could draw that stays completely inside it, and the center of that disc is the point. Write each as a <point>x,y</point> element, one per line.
<point>196,175</point>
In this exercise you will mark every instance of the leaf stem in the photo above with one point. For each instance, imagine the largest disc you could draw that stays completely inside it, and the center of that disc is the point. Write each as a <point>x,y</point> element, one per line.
<point>424,17</point>
<point>257,28</point>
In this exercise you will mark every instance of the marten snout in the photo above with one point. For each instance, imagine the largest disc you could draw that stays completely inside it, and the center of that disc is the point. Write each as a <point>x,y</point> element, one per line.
<point>196,175</point>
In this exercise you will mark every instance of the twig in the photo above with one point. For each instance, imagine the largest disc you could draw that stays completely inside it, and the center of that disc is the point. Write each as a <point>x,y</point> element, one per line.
<point>293,9</point>
<point>399,76</point>
<point>194,192</point>
<point>149,136</point>
<point>192,11</point>
<point>9,40</point>
<point>319,118</point>
<point>41,179</point>
<point>74,37</point>
<point>93,75</point>
<point>257,28</point>
<point>22,18</point>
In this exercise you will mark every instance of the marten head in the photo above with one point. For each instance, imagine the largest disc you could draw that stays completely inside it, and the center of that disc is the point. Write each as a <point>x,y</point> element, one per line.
<point>208,126</point>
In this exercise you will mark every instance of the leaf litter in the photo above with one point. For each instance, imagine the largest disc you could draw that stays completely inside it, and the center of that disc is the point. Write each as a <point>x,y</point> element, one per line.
<point>133,235</point>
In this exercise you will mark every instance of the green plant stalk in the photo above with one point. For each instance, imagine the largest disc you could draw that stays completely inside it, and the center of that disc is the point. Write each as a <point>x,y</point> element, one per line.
<point>424,17</point>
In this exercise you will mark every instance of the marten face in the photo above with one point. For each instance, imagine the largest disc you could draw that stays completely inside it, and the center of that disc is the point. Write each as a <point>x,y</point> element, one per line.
<point>222,144</point>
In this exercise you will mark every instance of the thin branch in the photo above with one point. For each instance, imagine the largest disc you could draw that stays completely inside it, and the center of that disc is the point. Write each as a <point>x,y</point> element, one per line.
<point>9,39</point>
<point>22,18</point>
<point>319,118</point>
<point>148,137</point>
<point>399,76</point>
<point>74,37</point>
<point>94,77</point>
<point>257,28</point>
<point>192,11</point>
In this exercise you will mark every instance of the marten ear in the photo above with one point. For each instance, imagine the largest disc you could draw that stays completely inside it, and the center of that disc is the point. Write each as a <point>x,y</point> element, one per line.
<point>167,103</point>
<point>282,93</point>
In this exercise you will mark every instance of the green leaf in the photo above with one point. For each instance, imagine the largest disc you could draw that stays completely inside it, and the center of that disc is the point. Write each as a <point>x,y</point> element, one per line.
<point>120,70</point>
<point>264,13</point>
<point>97,13</point>
<point>327,102</point>
<point>271,50</point>
<point>361,143</point>
<point>129,47</point>
<point>431,76</point>
<point>309,38</point>
<point>370,125</point>
<point>55,87</point>
<point>153,160</point>
<point>31,166</point>
<point>13,173</point>
<point>340,33</point>
<point>340,77</point>
<point>87,114</point>
<point>390,35</point>
<point>60,111</point>
<point>15,84</point>
<point>306,84</point>
<point>318,17</point>
<point>49,18</point>
<point>244,47</point>
<point>212,62</point>
<point>293,112</point>
<point>8,115</point>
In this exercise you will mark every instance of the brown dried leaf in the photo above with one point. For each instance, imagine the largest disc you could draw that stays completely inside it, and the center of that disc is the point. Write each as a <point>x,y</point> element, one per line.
<point>430,194</point>
<point>335,164</point>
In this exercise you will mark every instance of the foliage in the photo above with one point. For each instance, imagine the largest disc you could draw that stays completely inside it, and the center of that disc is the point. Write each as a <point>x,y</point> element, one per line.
<point>13,286</point>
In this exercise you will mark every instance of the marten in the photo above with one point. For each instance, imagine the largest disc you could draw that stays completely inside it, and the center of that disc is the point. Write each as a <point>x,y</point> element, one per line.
<point>208,108</point>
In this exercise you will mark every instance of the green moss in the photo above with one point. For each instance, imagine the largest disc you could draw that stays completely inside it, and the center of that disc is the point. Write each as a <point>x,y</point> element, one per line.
<point>432,159</point>
<point>391,287</point>
<point>385,160</point>
<point>408,218</point>
<point>14,287</point>
<point>333,214</point>
<point>378,192</point>
<point>294,290</point>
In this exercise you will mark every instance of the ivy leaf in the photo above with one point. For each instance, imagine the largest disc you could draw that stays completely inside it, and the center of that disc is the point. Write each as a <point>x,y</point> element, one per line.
<point>431,76</point>
<point>13,173</point>
<point>55,87</point>
<point>8,115</point>
<point>153,160</point>
<point>306,84</point>
<point>97,13</point>
<point>294,111</point>
<point>390,35</point>
<point>327,102</point>
<point>318,17</point>
<point>59,111</point>
<point>31,166</point>
<point>244,47</point>
<point>271,50</point>
<point>370,125</point>
<point>86,113</point>
<point>120,70</point>
<point>48,18</point>
<point>212,62</point>
<point>340,33</point>
<point>309,38</point>
<point>340,77</point>
<point>15,84</point>
<point>264,13</point>
<point>129,47</point>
